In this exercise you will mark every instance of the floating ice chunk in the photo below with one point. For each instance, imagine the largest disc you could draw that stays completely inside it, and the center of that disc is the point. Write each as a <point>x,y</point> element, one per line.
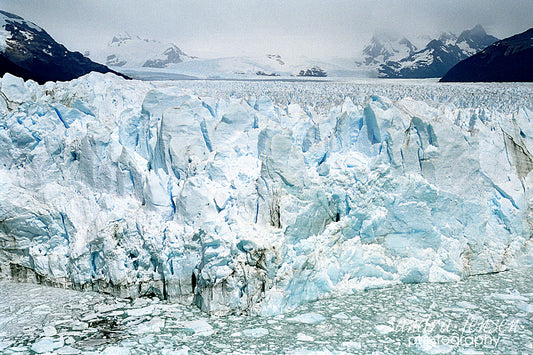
<point>182,351</point>
<point>103,308</point>
<point>308,318</point>
<point>352,344</point>
<point>116,350</point>
<point>384,329</point>
<point>147,339</point>
<point>310,352</point>
<point>513,296</point>
<point>341,315</point>
<point>47,344</point>
<point>199,327</point>
<point>304,337</point>
<point>68,350</point>
<point>154,325</point>
<point>79,325</point>
<point>428,345</point>
<point>465,304</point>
<point>137,312</point>
<point>437,274</point>
<point>255,332</point>
<point>526,307</point>
<point>88,317</point>
<point>49,331</point>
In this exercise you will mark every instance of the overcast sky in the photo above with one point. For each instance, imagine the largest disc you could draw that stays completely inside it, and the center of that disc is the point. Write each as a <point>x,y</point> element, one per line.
<point>315,28</point>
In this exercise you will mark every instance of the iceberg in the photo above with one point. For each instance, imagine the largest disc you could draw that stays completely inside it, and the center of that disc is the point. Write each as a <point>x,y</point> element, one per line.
<point>257,201</point>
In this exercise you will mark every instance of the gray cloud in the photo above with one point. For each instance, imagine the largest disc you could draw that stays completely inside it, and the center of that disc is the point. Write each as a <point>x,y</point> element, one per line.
<point>223,28</point>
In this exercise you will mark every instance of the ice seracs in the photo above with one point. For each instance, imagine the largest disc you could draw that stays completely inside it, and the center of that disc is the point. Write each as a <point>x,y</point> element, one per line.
<point>255,203</point>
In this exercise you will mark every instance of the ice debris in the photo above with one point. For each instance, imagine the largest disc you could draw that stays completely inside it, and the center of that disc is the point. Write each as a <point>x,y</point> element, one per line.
<point>256,332</point>
<point>199,327</point>
<point>47,344</point>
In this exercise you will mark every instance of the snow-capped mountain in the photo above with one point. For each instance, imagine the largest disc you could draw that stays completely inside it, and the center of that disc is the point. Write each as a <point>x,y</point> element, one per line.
<point>26,50</point>
<point>228,67</point>
<point>447,38</point>
<point>386,46</point>
<point>510,59</point>
<point>474,40</point>
<point>438,56</point>
<point>148,59</point>
<point>151,59</point>
<point>274,65</point>
<point>129,51</point>
<point>432,61</point>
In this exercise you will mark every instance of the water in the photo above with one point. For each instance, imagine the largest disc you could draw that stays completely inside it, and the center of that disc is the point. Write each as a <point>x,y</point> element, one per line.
<point>481,314</point>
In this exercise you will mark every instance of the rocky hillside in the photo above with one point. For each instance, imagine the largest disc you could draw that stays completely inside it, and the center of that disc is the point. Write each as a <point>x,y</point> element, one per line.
<point>28,51</point>
<point>510,59</point>
<point>438,56</point>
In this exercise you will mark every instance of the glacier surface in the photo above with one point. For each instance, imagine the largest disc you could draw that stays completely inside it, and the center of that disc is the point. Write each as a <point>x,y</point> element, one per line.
<point>256,197</point>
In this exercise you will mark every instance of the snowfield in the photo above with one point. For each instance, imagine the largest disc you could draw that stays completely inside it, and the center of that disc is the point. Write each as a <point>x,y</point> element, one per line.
<point>254,197</point>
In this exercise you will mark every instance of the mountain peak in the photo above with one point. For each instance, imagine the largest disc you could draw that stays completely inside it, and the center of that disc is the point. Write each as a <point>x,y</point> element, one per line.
<point>121,37</point>
<point>385,36</point>
<point>478,29</point>
<point>447,38</point>
<point>136,51</point>
<point>476,32</point>
<point>475,40</point>
<point>386,46</point>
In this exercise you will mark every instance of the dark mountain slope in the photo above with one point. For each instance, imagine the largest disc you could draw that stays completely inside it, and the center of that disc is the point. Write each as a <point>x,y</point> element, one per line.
<point>510,59</point>
<point>27,51</point>
<point>438,56</point>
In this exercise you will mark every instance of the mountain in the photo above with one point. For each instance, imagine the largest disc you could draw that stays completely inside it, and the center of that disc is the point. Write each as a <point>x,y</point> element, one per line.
<point>149,59</point>
<point>432,61</point>
<point>474,40</point>
<point>510,59</point>
<point>249,67</point>
<point>129,51</point>
<point>386,46</point>
<point>438,56</point>
<point>27,51</point>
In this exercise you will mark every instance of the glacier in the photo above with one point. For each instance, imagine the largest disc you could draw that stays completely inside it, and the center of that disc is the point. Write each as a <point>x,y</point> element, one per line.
<point>253,198</point>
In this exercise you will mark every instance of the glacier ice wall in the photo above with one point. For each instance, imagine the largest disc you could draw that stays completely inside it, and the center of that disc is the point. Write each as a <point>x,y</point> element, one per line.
<point>243,204</point>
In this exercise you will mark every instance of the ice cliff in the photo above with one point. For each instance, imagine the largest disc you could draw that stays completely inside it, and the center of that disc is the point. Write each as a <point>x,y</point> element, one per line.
<point>245,205</point>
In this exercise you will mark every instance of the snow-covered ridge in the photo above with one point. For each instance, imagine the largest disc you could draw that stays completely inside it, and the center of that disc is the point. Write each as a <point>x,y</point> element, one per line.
<point>256,203</point>
<point>130,51</point>
<point>387,46</point>
<point>438,56</point>
<point>255,67</point>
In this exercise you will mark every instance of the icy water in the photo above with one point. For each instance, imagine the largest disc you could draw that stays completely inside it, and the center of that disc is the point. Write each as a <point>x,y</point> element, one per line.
<point>481,314</point>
